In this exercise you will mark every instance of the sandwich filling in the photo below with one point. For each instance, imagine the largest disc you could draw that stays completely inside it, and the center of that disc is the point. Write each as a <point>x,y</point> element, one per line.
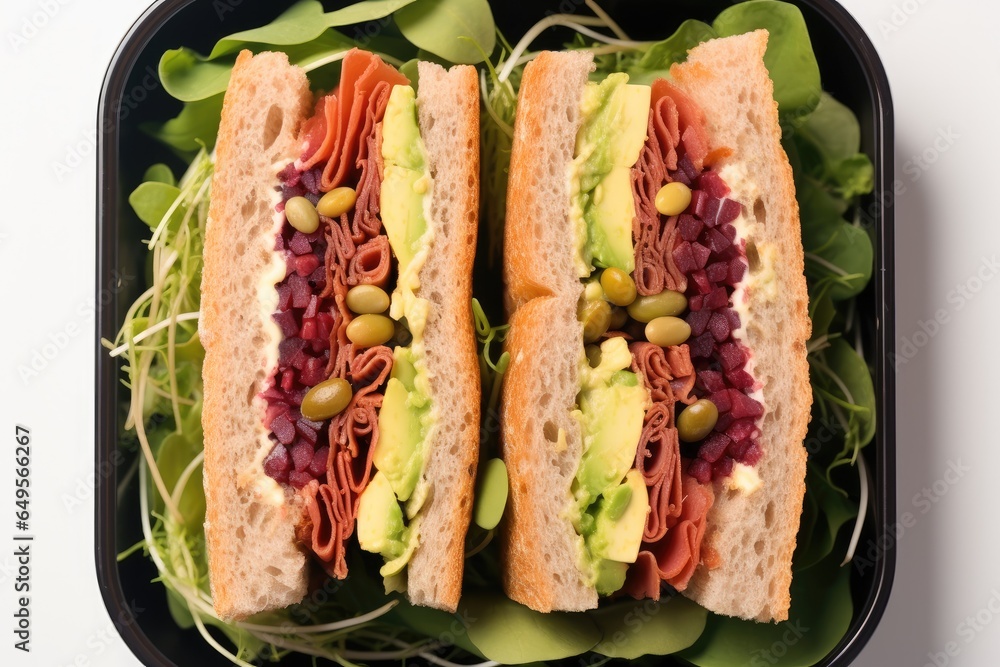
<point>360,363</point>
<point>695,256</point>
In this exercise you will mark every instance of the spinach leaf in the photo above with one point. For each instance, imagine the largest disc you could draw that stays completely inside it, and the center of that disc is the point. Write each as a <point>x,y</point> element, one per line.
<point>159,173</point>
<point>842,385</point>
<point>151,201</point>
<point>448,628</point>
<point>833,510</point>
<point>656,60</point>
<point>820,614</point>
<point>510,633</point>
<point>460,31</point>
<point>789,58</point>
<point>305,21</point>
<point>195,126</point>
<point>839,255</point>
<point>644,627</point>
<point>831,139</point>
<point>175,452</point>
<point>190,77</point>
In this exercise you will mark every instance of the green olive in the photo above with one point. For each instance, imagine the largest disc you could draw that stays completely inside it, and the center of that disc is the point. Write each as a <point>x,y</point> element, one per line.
<point>336,202</point>
<point>666,303</point>
<point>302,215</point>
<point>491,494</point>
<point>697,420</point>
<point>593,353</point>
<point>596,318</point>
<point>667,331</point>
<point>369,330</point>
<point>365,299</point>
<point>619,287</point>
<point>327,399</point>
<point>619,317</point>
<point>673,198</point>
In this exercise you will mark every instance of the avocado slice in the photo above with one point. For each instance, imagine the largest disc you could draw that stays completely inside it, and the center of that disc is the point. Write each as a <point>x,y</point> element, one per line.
<point>608,145</point>
<point>406,179</point>
<point>612,424</point>
<point>398,453</point>
<point>619,524</point>
<point>380,519</point>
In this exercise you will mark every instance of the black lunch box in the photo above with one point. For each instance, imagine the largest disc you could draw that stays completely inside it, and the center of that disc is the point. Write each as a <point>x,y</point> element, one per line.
<point>131,95</point>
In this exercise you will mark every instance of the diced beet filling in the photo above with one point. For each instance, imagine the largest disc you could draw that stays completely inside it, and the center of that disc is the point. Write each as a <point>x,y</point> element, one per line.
<point>714,263</point>
<point>301,446</point>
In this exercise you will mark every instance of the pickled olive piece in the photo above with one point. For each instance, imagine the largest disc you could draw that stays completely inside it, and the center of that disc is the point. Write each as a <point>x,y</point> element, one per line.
<point>327,399</point>
<point>336,202</point>
<point>364,299</point>
<point>665,304</point>
<point>619,317</point>
<point>697,420</point>
<point>302,215</point>
<point>673,198</point>
<point>369,330</point>
<point>596,318</point>
<point>667,331</point>
<point>619,287</point>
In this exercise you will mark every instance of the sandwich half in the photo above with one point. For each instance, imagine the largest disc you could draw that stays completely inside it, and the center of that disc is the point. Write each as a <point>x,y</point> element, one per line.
<point>657,397</point>
<point>341,397</point>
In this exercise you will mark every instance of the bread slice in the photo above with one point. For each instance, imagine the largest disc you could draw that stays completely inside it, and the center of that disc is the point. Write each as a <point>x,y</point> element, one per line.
<point>541,440</point>
<point>754,534</point>
<point>448,114</point>
<point>542,448</point>
<point>538,242</point>
<point>254,562</point>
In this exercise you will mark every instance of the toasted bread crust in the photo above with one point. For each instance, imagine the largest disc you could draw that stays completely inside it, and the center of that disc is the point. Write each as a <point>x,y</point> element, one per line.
<point>262,569</point>
<point>537,188</point>
<point>541,439</point>
<point>754,534</point>
<point>539,546</point>
<point>435,571</point>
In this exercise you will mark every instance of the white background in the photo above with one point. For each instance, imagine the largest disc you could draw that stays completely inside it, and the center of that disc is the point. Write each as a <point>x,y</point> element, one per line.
<point>943,60</point>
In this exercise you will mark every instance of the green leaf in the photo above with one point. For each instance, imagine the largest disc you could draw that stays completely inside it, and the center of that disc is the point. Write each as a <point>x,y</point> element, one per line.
<point>834,510</point>
<point>151,201</point>
<point>656,60</point>
<point>448,628</point>
<point>820,614</point>
<point>305,21</point>
<point>160,173</point>
<point>636,628</point>
<point>175,453</point>
<point>460,31</point>
<point>839,255</point>
<point>179,610</point>
<point>302,31</point>
<point>409,70</point>
<point>195,126</point>
<point>790,59</point>
<point>189,77</point>
<point>512,634</point>
<point>821,312</point>
<point>852,371</point>
<point>829,140</point>
<point>847,248</point>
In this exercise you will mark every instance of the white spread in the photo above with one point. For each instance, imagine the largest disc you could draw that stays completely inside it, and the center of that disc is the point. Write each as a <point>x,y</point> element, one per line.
<point>267,489</point>
<point>743,479</point>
